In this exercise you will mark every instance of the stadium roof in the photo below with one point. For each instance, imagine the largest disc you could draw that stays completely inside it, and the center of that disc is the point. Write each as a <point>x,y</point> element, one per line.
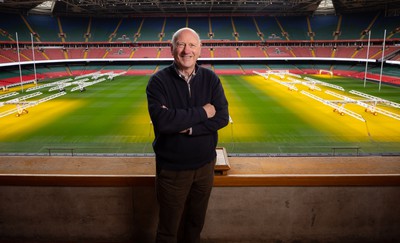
<point>125,8</point>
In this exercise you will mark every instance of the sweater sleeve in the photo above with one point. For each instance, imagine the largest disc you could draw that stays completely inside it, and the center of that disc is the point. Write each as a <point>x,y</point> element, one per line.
<point>221,118</point>
<point>170,120</point>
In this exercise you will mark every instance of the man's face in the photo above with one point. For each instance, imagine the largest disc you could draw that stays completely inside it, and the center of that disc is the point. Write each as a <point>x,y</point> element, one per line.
<point>186,50</point>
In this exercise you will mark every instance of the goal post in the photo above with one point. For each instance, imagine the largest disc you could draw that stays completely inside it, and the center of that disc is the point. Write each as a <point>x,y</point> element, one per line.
<point>278,72</point>
<point>327,72</point>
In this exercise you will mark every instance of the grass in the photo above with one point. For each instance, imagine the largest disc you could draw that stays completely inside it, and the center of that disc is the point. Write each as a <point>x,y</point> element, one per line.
<point>111,117</point>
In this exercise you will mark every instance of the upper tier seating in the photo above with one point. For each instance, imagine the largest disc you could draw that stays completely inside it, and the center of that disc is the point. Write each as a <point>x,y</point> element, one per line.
<point>101,29</point>
<point>242,28</point>
<point>12,24</point>
<point>323,27</point>
<point>151,29</point>
<point>46,27</point>
<point>222,28</point>
<point>245,28</point>
<point>171,25</point>
<point>200,24</point>
<point>269,28</point>
<point>353,25</point>
<point>74,29</point>
<point>295,27</point>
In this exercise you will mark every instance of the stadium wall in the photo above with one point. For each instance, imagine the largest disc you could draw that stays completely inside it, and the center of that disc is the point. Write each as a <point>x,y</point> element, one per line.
<point>235,214</point>
<point>112,199</point>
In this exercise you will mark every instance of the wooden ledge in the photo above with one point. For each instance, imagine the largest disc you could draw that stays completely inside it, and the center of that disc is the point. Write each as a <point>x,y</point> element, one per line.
<point>244,171</point>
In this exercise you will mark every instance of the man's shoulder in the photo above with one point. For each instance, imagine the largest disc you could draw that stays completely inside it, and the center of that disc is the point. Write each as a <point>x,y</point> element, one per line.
<point>206,71</point>
<point>161,73</point>
<point>164,70</point>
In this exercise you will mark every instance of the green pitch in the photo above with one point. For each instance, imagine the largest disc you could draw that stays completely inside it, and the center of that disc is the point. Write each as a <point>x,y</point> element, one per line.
<point>111,117</point>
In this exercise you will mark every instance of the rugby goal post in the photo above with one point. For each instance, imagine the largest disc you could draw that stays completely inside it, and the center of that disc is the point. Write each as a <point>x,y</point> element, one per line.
<point>326,72</point>
<point>277,71</point>
<point>280,73</point>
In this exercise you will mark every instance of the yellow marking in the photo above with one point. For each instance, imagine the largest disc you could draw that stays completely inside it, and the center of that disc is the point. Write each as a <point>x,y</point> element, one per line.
<point>45,56</point>
<point>65,54</point>
<point>163,28</point>
<point>105,54</point>
<point>309,28</point>
<point>313,52</point>
<point>132,52</point>
<point>140,29</point>
<point>258,29</point>
<point>88,29</point>
<point>322,117</point>
<point>265,52</point>
<point>238,52</point>
<point>209,26</point>
<point>234,29</point>
<point>29,27</point>
<point>370,25</point>
<point>7,58</point>
<point>60,29</point>
<point>38,117</point>
<point>281,27</point>
<point>291,52</point>
<point>333,53</point>
<point>22,55</point>
<point>338,26</point>
<point>115,31</point>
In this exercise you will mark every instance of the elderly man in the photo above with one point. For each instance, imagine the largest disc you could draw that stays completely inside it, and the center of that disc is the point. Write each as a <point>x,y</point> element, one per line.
<point>187,106</point>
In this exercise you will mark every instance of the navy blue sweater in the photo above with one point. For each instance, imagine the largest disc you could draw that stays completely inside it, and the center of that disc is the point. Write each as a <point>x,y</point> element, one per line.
<point>174,105</point>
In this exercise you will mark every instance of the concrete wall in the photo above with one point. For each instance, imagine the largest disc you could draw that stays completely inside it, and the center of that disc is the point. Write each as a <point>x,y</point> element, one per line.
<point>236,214</point>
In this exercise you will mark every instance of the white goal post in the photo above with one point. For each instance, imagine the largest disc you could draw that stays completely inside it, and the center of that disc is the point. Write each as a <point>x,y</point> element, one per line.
<point>323,71</point>
<point>278,72</point>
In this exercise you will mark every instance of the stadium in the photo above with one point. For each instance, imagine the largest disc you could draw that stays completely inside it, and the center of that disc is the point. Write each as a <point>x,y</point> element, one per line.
<point>314,100</point>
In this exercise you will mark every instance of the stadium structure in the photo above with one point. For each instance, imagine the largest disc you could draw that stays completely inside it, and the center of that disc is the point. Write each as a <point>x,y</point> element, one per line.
<point>311,152</point>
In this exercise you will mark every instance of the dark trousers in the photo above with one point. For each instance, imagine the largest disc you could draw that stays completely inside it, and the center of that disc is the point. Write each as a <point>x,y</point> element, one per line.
<point>183,199</point>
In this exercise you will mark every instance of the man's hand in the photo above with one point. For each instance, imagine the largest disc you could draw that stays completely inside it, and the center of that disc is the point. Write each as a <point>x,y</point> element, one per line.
<point>210,110</point>
<point>187,131</point>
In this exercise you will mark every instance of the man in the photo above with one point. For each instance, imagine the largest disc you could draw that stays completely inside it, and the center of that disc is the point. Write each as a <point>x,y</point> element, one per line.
<point>187,106</point>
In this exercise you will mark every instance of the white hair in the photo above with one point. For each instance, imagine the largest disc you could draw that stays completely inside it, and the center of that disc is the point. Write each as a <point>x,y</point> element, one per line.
<point>178,32</point>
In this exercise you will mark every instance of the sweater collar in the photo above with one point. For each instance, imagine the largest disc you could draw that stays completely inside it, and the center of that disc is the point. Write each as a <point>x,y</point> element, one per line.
<point>191,76</point>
